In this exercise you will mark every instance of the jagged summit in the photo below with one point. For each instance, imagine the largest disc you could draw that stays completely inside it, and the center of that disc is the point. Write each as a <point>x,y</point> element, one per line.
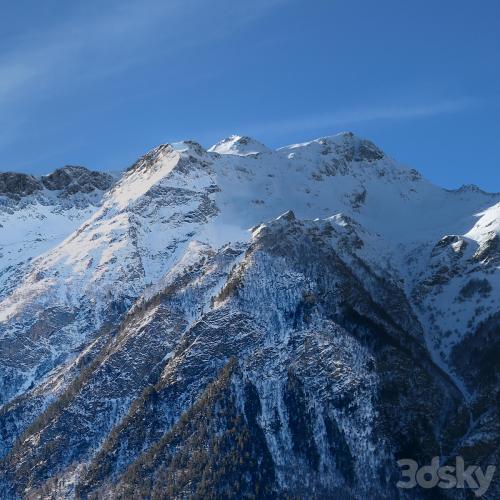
<point>67,180</point>
<point>347,144</point>
<point>472,188</point>
<point>239,145</point>
<point>287,216</point>
<point>156,157</point>
<point>18,184</point>
<point>73,179</point>
<point>189,146</point>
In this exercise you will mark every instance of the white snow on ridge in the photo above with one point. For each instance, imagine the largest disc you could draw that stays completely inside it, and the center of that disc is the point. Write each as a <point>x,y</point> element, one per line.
<point>138,181</point>
<point>488,222</point>
<point>239,145</point>
<point>181,195</point>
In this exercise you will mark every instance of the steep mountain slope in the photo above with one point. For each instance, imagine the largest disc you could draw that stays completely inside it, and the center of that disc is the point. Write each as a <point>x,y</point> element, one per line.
<point>37,213</point>
<point>357,329</point>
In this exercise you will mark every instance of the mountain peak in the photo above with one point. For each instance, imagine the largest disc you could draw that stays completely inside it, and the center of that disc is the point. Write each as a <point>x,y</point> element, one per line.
<point>239,145</point>
<point>18,184</point>
<point>188,146</point>
<point>349,145</point>
<point>72,179</point>
<point>67,180</point>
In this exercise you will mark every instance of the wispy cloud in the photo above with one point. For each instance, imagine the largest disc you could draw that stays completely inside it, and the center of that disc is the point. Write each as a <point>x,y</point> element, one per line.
<point>346,117</point>
<point>101,42</point>
<point>93,42</point>
<point>46,54</point>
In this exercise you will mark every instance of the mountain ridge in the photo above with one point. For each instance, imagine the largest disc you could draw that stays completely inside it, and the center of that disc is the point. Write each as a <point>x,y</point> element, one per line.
<point>326,250</point>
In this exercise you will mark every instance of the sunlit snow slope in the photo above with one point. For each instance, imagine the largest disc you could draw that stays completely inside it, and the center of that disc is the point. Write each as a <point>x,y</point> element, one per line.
<point>81,253</point>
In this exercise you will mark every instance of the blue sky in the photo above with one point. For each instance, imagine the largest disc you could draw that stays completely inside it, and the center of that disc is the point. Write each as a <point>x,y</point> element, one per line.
<point>98,83</point>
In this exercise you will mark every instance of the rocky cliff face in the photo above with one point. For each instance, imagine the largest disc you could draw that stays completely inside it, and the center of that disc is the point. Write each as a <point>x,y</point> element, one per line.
<point>245,322</point>
<point>66,181</point>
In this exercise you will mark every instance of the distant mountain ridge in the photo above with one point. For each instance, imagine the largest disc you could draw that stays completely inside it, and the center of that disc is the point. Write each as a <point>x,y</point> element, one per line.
<point>68,180</point>
<point>242,321</point>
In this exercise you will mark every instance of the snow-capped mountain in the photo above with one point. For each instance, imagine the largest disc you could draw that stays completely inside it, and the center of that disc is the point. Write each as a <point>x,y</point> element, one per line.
<point>317,311</point>
<point>37,213</point>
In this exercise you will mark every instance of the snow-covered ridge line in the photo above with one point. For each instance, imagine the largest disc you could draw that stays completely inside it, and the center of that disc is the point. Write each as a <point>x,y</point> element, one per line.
<point>325,262</point>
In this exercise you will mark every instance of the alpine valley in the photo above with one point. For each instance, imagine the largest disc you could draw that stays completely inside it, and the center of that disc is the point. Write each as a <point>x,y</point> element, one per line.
<point>241,322</point>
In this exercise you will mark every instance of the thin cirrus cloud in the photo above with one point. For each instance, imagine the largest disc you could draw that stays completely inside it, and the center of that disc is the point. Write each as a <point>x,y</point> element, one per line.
<point>361,115</point>
<point>106,41</point>
<point>45,55</point>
